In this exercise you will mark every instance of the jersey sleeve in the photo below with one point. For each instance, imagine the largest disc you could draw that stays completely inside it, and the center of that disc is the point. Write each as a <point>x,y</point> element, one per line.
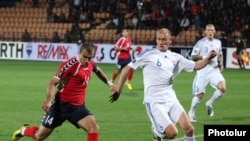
<point>220,49</point>
<point>119,42</point>
<point>95,68</point>
<point>183,64</point>
<point>196,49</point>
<point>65,69</point>
<point>135,63</point>
<point>60,72</point>
<point>139,61</point>
<point>130,40</point>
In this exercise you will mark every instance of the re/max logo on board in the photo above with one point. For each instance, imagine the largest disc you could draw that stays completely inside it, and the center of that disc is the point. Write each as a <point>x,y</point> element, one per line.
<point>51,51</point>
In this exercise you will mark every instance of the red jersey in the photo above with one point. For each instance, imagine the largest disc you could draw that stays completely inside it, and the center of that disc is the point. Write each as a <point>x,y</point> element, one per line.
<point>74,78</point>
<point>122,43</point>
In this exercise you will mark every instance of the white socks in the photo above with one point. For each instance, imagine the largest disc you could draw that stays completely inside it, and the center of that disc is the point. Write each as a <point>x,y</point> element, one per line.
<point>189,138</point>
<point>195,102</point>
<point>217,94</point>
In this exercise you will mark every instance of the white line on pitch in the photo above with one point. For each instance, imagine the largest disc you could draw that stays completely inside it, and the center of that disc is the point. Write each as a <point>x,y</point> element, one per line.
<point>180,139</point>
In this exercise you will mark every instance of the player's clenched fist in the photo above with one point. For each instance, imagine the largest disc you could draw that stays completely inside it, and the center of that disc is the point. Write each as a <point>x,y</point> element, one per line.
<point>212,54</point>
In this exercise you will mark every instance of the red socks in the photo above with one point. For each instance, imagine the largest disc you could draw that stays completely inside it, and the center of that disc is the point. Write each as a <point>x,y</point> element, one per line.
<point>30,131</point>
<point>92,137</point>
<point>130,75</point>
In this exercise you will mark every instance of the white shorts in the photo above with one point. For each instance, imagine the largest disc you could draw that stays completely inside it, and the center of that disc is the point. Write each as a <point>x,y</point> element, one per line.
<point>163,114</point>
<point>201,81</point>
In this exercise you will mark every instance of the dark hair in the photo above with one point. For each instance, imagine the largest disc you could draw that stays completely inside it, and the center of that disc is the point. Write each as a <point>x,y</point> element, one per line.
<point>89,47</point>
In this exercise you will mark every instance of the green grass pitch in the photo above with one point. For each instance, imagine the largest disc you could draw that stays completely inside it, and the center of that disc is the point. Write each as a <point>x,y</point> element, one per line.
<point>23,89</point>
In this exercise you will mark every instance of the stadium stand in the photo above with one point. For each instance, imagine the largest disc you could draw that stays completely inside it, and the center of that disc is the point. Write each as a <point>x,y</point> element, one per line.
<point>102,22</point>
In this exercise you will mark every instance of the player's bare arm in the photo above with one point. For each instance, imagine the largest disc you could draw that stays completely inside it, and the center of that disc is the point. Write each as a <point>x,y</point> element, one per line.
<point>122,49</point>
<point>50,93</point>
<point>116,89</point>
<point>103,77</point>
<point>196,57</point>
<point>116,48</point>
<point>220,62</point>
<point>202,63</point>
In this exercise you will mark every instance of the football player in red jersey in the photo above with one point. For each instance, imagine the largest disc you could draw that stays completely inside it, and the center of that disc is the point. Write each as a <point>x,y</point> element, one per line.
<point>122,48</point>
<point>70,82</point>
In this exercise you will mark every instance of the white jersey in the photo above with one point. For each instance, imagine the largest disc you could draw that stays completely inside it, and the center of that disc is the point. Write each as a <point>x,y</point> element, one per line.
<point>203,47</point>
<point>159,70</point>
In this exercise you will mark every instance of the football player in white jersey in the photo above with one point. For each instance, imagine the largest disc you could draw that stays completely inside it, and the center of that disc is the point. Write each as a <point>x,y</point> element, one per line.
<point>211,74</point>
<point>160,66</point>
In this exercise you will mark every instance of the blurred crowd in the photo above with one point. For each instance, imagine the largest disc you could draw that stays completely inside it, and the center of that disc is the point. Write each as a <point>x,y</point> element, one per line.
<point>177,15</point>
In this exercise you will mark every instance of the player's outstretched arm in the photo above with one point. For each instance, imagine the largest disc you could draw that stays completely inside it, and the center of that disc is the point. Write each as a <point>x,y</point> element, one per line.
<point>116,89</point>
<point>196,57</point>
<point>103,77</point>
<point>220,62</point>
<point>50,93</point>
<point>202,63</point>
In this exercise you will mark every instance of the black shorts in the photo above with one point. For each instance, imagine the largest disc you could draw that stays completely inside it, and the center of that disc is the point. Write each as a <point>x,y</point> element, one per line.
<point>122,63</point>
<point>61,111</point>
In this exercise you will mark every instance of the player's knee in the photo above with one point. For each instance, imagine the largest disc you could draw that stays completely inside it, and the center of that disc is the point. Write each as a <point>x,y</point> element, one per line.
<point>171,132</point>
<point>223,90</point>
<point>222,87</point>
<point>189,130</point>
<point>171,135</point>
<point>93,129</point>
<point>200,96</point>
<point>39,137</point>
